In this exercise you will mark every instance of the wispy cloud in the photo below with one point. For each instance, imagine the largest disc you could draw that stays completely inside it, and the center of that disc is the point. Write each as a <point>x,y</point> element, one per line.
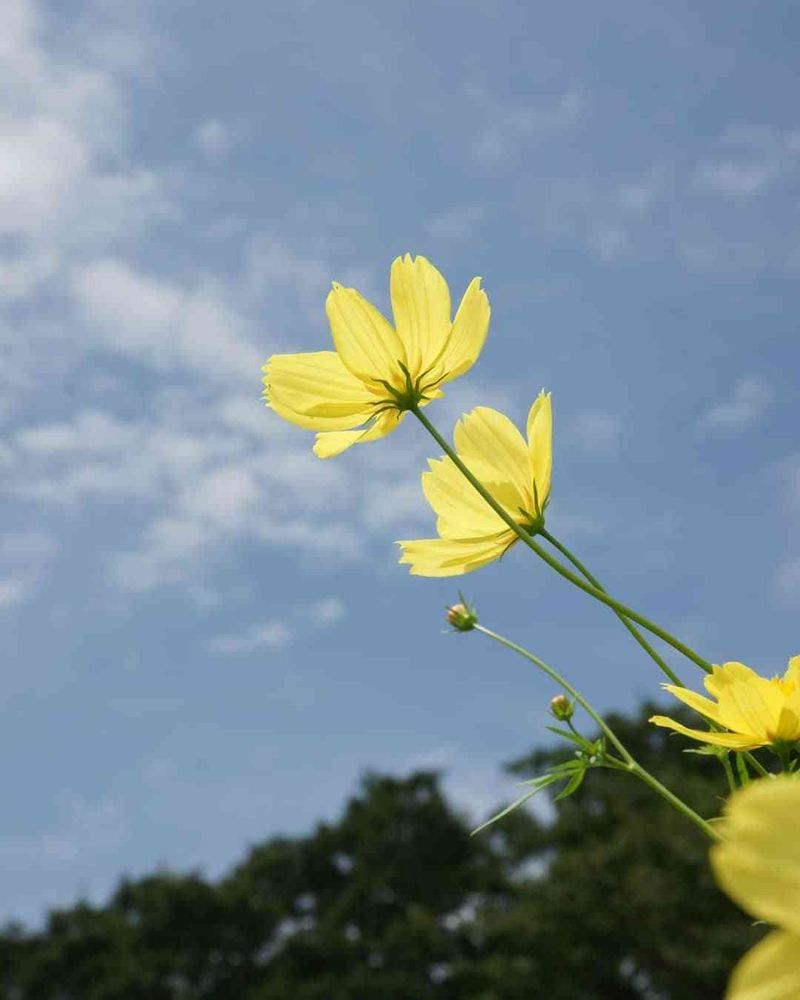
<point>24,557</point>
<point>212,138</point>
<point>508,127</point>
<point>457,223</point>
<point>596,432</point>
<point>745,407</point>
<point>326,612</point>
<point>749,162</point>
<point>268,635</point>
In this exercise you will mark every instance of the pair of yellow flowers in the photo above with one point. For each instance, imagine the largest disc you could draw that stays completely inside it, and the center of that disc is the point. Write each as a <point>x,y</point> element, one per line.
<point>379,372</point>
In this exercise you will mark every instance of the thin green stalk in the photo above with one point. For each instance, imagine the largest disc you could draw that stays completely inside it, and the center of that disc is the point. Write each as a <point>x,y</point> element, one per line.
<point>637,635</point>
<point>755,764</point>
<point>632,765</point>
<point>519,531</point>
<point>729,773</point>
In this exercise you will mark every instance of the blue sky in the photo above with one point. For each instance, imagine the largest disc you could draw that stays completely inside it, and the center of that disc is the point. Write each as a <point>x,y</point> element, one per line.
<point>207,635</point>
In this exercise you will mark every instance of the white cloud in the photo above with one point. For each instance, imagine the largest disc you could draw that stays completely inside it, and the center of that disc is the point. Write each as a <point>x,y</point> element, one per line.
<point>746,406</point>
<point>82,830</point>
<point>749,162</point>
<point>212,138</point>
<point>327,611</point>
<point>457,223</point>
<point>24,557</point>
<point>41,160</point>
<point>395,504</point>
<point>596,432</point>
<point>269,635</point>
<point>13,591</point>
<point>609,242</point>
<point>164,324</point>
<point>508,128</point>
<point>729,177</point>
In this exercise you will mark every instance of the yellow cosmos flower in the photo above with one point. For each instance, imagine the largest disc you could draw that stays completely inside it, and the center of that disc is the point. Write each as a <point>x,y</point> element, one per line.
<point>516,473</point>
<point>756,712</point>
<point>363,389</point>
<point>757,863</point>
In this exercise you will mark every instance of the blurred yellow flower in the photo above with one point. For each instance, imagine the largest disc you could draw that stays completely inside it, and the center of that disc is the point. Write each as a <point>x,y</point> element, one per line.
<point>757,863</point>
<point>363,389</point>
<point>516,473</point>
<point>756,711</point>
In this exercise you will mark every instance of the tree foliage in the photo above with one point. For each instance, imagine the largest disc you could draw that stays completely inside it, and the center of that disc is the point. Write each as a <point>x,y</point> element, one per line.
<point>610,898</point>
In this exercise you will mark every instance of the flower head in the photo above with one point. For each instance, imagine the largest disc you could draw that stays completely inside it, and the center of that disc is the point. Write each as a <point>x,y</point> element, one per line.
<point>562,708</point>
<point>462,616</point>
<point>515,471</point>
<point>757,863</point>
<point>363,389</point>
<point>755,711</point>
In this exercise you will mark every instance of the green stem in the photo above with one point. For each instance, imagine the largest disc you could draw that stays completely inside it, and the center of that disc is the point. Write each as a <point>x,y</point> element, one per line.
<point>729,773</point>
<point>632,765</point>
<point>754,762</point>
<point>551,561</point>
<point>637,635</point>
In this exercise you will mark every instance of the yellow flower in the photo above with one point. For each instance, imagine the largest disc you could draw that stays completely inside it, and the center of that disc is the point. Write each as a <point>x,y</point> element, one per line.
<point>516,473</point>
<point>756,712</point>
<point>363,389</point>
<point>757,863</point>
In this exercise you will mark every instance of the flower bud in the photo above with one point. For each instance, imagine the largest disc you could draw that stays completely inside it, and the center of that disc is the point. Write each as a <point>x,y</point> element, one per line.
<point>562,708</point>
<point>462,617</point>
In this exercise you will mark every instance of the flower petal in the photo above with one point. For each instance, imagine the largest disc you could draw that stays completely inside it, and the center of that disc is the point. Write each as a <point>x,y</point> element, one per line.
<point>696,701</point>
<point>332,443</point>
<point>495,451</point>
<point>468,334</point>
<point>452,557</point>
<point>421,307</point>
<point>734,741</point>
<point>758,861</point>
<point>769,971</point>
<point>364,339</point>
<point>461,511</point>
<point>316,391</point>
<point>748,703</point>
<point>540,445</point>
<point>793,672</point>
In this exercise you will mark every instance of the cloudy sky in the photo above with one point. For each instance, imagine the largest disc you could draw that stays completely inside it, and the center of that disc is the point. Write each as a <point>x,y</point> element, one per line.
<point>207,635</point>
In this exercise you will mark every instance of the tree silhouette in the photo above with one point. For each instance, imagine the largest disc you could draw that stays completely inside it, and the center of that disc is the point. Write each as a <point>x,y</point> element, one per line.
<point>611,899</point>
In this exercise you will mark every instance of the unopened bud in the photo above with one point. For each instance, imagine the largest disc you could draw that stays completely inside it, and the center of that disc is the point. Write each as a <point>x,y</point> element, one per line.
<point>562,708</point>
<point>462,617</point>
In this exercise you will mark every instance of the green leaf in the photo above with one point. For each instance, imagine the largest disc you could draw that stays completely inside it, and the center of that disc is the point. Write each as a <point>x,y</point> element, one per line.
<point>542,783</point>
<point>573,785</point>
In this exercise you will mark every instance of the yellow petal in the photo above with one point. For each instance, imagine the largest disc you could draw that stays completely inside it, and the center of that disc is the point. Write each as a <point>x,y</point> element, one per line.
<point>722,676</point>
<point>734,741</point>
<point>461,510</point>
<point>769,971</point>
<point>793,672</point>
<point>540,445</point>
<point>467,335</point>
<point>364,339</point>
<point>316,391</point>
<point>748,703</point>
<point>421,307</point>
<point>332,443</point>
<point>449,557</point>
<point>700,704</point>
<point>758,861</point>
<point>494,450</point>
<point>758,702</point>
